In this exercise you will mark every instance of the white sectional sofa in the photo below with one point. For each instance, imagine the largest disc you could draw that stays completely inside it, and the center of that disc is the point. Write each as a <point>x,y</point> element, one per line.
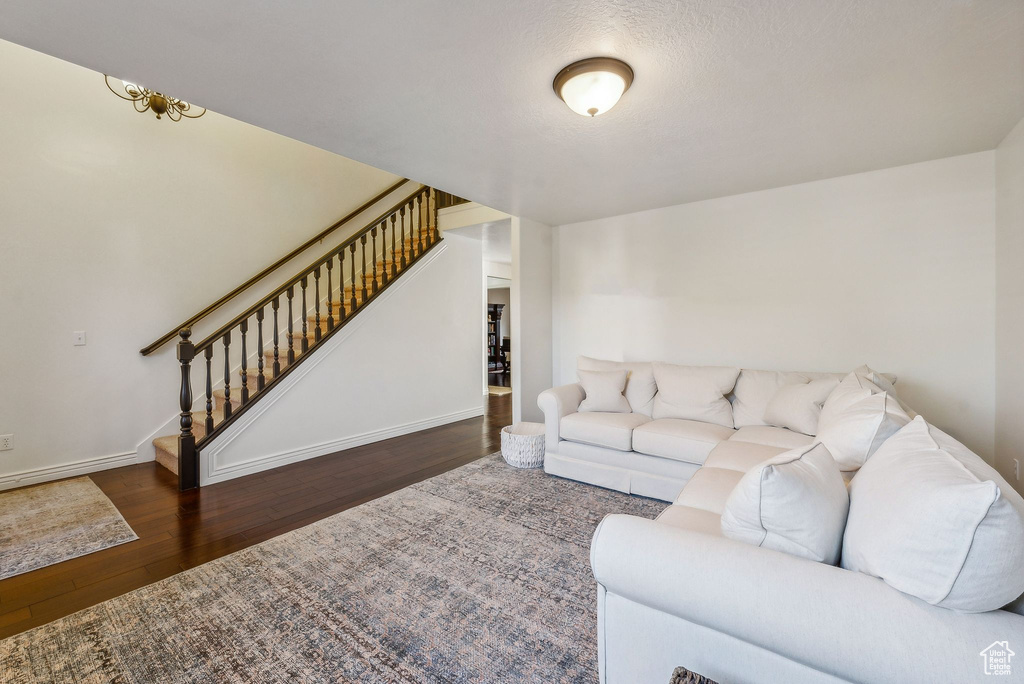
<point>677,591</point>
<point>636,453</point>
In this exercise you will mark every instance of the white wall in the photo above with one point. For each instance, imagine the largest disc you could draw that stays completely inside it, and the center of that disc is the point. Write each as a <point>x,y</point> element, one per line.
<point>893,268</point>
<point>1010,304</point>
<point>532,244</point>
<point>410,361</point>
<point>122,226</point>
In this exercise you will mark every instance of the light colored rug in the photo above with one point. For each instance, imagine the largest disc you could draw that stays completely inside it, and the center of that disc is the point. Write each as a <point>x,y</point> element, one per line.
<point>498,391</point>
<point>478,575</point>
<point>54,522</point>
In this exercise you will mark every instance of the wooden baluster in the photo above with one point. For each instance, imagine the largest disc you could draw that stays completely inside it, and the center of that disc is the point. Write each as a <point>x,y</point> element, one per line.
<point>316,287</point>
<point>413,228</point>
<point>342,310</point>
<point>431,221</point>
<point>373,257</point>
<point>261,381</point>
<point>277,361</point>
<point>421,238</point>
<point>209,389</point>
<point>291,326</point>
<point>394,252</point>
<point>330,294</point>
<point>227,375</point>
<point>352,252</point>
<point>244,328</point>
<point>188,472</point>
<point>363,241</point>
<point>305,319</point>
<point>434,215</point>
<point>401,212</point>
<point>429,238</point>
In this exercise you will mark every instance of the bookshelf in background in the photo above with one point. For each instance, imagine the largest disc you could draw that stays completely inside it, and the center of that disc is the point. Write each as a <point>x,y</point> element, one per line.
<point>495,357</point>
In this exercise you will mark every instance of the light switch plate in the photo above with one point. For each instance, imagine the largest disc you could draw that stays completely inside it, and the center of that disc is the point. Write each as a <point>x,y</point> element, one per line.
<point>1016,468</point>
<point>6,442</point>
<point>78,338</point>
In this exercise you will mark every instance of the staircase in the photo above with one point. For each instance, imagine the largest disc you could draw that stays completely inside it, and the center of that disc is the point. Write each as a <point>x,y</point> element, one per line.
<point>247,356</point>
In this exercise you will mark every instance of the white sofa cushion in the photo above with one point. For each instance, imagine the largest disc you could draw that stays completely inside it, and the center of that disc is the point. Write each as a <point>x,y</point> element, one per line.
<point>680,440</point>
<point>772,436</point>
<point>933,520</point>
<point>856,419</point>
<point>797,407</point>
<point>611,430</point>
<point>741,456</point>
<point>694,393</point>
<point>795,502</point>
<point>689,518</point>
<point>640,386</point>
<point>602,391</point>
<point>709,489</point>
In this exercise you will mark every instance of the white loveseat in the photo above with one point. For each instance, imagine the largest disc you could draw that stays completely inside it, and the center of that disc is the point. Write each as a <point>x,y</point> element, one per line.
<point>676,591</point>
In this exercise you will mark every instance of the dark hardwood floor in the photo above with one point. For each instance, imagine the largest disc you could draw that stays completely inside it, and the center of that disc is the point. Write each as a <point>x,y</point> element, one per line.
<point>178,530</point>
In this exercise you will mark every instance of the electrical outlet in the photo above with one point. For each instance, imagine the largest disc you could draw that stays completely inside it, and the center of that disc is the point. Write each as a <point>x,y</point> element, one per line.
<point>78,338</point>
<point>6,442</point>
<point>1016,468</point>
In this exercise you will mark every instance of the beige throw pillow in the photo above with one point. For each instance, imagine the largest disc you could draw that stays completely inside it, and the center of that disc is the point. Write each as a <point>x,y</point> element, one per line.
<point>694,393</point>
<point>856,419</point>
<point>603,391</point>
<point>933,520</point>
<point>798,407</point>
<point>795,502</point>
<point>640,387</point>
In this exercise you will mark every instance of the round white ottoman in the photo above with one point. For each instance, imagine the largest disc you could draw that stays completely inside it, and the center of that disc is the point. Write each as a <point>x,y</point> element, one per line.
<point>522,445</point>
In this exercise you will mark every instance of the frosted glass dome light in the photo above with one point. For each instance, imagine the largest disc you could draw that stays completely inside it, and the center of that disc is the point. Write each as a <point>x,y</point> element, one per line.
<point>592,86</point>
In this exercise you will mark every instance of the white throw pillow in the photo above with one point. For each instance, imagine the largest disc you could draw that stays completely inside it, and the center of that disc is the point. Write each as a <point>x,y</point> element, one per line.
<point>886,385</point>
<point>694,393</point>
<point>856,419</point>
<point>640,387</point>
<point>798,407</point>
<point>933,520</point>
<point>603,391</point>
<point>754,389</point>
<point>795,502</point>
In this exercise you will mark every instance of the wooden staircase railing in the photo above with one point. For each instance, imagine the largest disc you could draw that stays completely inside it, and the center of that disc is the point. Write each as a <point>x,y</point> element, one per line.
<point>319,237</point>
<point>339,284</point>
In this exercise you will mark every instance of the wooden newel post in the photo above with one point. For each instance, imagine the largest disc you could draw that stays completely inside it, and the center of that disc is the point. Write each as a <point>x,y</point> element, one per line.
<point>188,461</point>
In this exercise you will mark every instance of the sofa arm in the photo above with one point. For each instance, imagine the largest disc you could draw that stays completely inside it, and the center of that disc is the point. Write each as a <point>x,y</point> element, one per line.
<point>840,622</point>
<point>556,403</point>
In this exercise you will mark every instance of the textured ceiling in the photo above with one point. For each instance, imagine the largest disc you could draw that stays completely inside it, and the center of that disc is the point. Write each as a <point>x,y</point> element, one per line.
<point>730,96</point>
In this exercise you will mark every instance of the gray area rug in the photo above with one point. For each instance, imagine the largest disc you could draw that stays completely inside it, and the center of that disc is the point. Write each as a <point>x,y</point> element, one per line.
<point>478,575</point>
<point>54,522</point>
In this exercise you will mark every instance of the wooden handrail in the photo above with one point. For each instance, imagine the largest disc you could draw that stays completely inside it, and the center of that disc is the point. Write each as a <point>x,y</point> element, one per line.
<point>167,337</point>
<point>248,313</point>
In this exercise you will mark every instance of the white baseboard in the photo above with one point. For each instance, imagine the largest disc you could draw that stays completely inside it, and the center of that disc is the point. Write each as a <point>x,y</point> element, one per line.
<point>214,474</point>
<point>89,465</point>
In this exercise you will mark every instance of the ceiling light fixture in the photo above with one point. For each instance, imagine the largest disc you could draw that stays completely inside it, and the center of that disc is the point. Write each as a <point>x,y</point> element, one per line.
<point>145,99</point>
<point>593,86</point>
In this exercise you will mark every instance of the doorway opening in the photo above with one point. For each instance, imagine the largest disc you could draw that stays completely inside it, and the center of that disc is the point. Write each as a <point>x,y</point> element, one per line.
<point>498,335</point>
